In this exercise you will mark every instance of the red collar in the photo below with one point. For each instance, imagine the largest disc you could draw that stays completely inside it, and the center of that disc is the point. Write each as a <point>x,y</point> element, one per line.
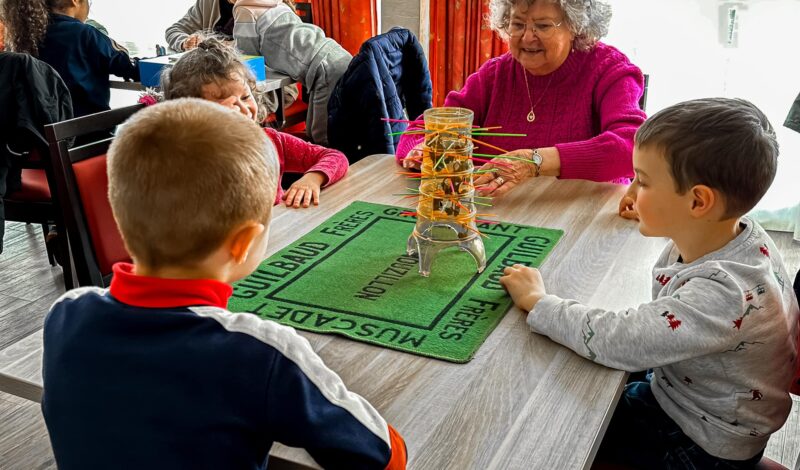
<point>156,292</point>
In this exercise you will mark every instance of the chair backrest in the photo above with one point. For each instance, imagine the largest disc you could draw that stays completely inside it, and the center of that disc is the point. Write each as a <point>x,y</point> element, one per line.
<point>304,11</point>
<point>643,99</point>
<point>32,94</point>
<point>82,183</point>
<point>796,383</point>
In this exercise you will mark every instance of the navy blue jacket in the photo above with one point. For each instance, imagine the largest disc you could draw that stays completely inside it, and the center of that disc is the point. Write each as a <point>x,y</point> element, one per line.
<point>389,74</point>
<point>155,374</point>
<point>84,57</point>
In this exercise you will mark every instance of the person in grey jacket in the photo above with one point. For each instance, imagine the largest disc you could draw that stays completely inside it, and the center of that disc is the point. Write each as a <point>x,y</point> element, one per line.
<point>203,18</point>
<point>720,335</point>
<point>215,17</point>
<point>300,50</point>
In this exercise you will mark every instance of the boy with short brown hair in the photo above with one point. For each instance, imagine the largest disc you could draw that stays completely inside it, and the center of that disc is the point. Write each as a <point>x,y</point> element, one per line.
<point>154,372</point>
<point>720,334</point>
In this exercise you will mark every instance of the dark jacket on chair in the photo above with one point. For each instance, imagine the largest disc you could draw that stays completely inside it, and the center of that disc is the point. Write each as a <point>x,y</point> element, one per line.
<point>85,57</point>
<point>31,95</point>
<point>389,74</point>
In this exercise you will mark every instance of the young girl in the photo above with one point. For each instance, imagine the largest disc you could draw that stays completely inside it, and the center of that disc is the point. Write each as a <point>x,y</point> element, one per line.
<point>214,72</point>
<point>54,31</point>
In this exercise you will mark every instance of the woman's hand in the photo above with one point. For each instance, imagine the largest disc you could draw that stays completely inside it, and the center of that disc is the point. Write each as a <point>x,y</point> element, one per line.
<point>305,190</point>
<point>627,205</point>
<point>507,173</point>
<point>414,158</point>
<point>191,42</point>
<point>524,284</point>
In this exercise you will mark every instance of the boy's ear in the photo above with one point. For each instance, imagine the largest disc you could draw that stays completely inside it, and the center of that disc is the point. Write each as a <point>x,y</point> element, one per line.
<point>241,240</point>
<point>704,200</point>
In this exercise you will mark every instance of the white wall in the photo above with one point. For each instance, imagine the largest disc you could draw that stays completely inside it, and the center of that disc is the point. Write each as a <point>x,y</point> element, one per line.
<point>142,22</point>
<point>404,13</point>
<point>678,44</point>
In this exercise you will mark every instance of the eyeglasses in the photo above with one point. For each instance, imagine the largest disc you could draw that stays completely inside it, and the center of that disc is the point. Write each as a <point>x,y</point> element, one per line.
<point>543,29</point>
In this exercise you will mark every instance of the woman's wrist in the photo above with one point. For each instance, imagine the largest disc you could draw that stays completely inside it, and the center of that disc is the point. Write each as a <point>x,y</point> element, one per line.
<point>536,162</point>
<point>551,161</point>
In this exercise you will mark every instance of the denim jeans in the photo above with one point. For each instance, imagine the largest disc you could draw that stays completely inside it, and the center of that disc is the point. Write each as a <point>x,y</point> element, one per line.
<point>642,435</point>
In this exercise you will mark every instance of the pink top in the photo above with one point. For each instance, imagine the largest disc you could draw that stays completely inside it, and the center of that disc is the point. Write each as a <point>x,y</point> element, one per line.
<point>588,109</point>
<point>298,156</point>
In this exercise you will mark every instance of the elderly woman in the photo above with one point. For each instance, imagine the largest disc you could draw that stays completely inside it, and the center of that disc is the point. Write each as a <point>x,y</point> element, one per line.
<point>575,98</point>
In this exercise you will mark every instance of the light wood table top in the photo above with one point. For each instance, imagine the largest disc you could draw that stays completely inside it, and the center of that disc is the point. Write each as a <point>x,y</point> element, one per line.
<point>523,401</point>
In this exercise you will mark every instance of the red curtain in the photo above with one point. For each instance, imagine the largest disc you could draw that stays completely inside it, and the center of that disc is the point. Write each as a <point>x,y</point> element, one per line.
<point>460,43</point>
<point>348,22</point>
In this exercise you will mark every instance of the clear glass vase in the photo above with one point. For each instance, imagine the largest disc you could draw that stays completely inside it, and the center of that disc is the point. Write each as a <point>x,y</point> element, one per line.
<point>446,210</point>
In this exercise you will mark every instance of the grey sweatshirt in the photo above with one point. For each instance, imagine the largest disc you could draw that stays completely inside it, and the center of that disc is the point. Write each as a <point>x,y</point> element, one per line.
<point>720,335</point>
<point>294,48</point>
<point>202,16</point>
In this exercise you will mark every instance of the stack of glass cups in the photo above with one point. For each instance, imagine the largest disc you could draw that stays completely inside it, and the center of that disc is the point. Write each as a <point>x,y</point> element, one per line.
<point>446,210</point>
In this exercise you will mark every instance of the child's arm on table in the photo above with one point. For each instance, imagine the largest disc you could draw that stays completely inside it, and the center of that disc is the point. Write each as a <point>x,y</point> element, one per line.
<point>322,167</point>
<point>697,319</point>
<point>109,59</point>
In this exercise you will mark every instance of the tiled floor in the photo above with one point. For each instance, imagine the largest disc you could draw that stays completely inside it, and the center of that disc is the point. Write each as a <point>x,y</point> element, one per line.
<point>28,285</point>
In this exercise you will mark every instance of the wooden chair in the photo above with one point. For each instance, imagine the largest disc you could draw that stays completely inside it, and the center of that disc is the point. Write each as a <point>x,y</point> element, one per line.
<point>82,184</point>
<point>296,113</point>
<point>33,203</point>
<point>32,95</point>
<point>304,12</point>
<point>643,99</point>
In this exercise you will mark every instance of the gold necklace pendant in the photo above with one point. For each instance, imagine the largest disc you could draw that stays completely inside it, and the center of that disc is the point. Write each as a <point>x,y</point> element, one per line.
<point>532,115</point>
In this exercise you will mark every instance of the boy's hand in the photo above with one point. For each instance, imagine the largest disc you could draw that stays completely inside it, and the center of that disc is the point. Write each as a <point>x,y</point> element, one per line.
<point>627,209</point>
<point>414,157</point>
<point>305,190</point>
<point>524,284</point>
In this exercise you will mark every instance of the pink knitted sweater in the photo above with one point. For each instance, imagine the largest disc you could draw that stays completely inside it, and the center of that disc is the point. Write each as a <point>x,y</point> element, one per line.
<point>298,156</point>
<point>588,109</point>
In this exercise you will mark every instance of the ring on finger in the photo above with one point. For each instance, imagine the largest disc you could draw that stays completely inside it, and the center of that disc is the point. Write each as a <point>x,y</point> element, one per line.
<point>499,180</point>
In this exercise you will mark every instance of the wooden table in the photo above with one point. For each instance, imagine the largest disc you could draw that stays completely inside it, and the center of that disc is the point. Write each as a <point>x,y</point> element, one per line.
<point>523,401</point>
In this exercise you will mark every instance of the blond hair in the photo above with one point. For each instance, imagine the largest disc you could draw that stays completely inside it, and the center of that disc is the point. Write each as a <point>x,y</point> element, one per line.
<point>178,184</point>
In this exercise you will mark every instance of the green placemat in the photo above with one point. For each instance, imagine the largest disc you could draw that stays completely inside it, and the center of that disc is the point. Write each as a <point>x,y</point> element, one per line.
<point>351,276</point>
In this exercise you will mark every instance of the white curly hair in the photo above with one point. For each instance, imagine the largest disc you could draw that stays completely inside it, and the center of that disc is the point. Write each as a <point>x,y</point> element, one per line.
<point>587,19</point>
